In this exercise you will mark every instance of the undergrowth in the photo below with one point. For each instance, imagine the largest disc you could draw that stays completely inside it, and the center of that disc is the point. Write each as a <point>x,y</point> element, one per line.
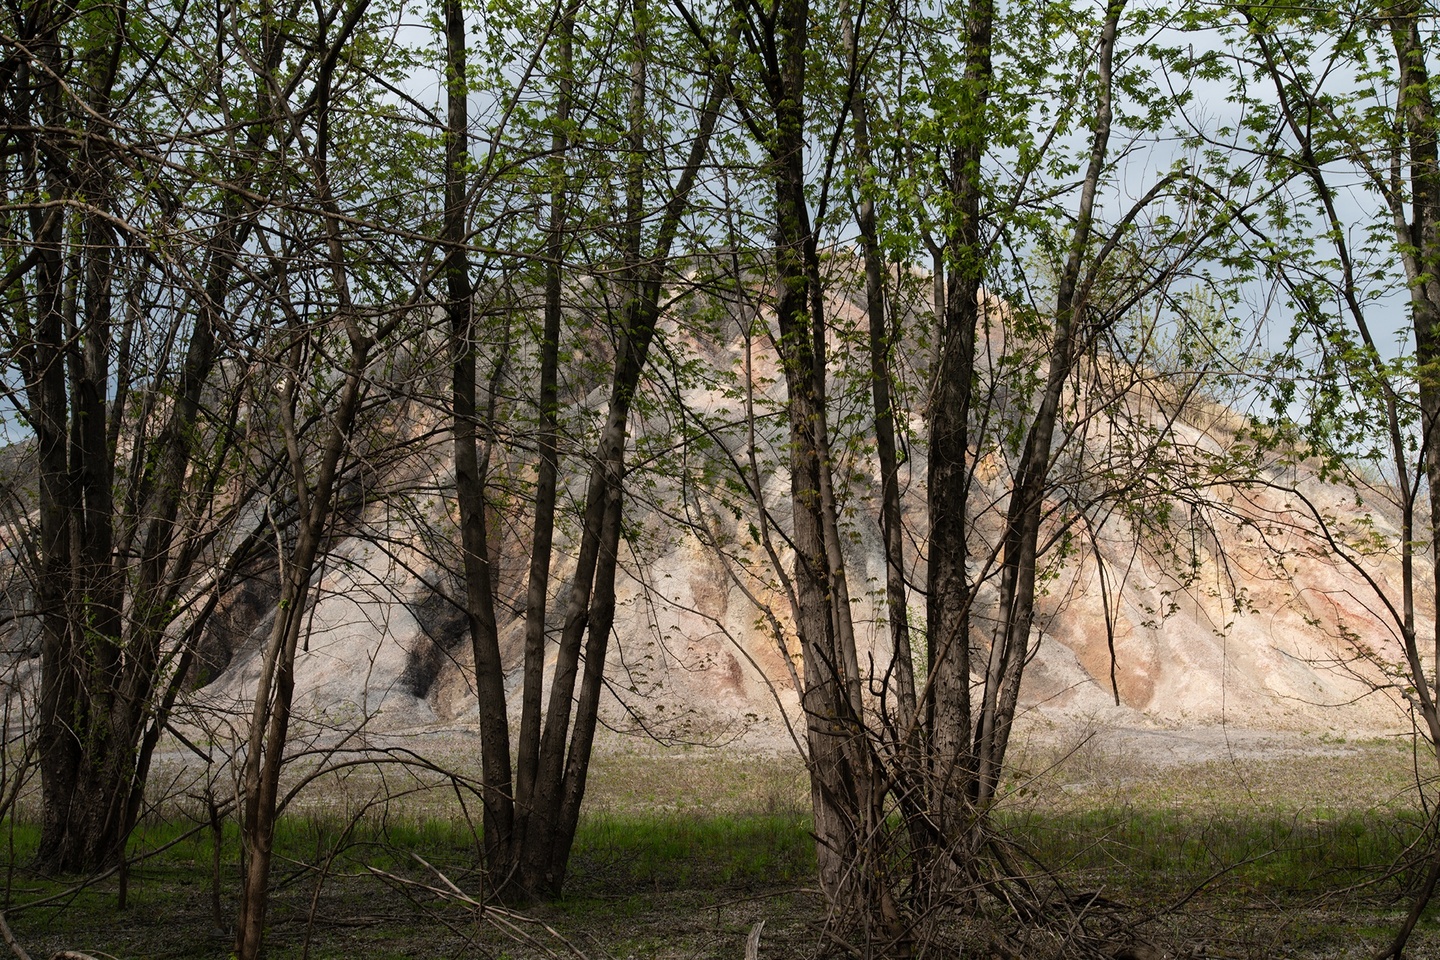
<point>680,857</point>
<point>655,884</point>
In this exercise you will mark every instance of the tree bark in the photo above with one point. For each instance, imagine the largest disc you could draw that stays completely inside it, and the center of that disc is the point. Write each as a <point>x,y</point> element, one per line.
<point>529,858</point>
<point>949,595</point>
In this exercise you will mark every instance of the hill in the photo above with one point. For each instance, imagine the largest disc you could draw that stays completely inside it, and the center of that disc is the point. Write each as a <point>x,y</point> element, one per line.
<point>1213,599</point>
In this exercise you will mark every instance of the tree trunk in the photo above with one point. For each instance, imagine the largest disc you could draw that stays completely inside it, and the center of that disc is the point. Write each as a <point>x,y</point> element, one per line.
<point>64,840</point>
<point>109,577</point>
<point>1420,240</point>
<point>948,707</point>
<point>841,777</point>
<point>499,811</point>
<point>274,692</point>
<point>1419,243</point>
<point>528,856</point>
<point>542,540</point>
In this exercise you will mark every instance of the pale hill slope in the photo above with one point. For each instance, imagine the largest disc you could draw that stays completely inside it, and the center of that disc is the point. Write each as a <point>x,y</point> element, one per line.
<point>1223,610</point>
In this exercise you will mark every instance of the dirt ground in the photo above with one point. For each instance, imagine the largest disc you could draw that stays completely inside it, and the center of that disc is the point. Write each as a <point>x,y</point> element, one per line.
<point>373,899</point>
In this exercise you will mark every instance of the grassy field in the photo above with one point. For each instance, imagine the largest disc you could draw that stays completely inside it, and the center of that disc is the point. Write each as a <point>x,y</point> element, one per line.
<point>681,853</point>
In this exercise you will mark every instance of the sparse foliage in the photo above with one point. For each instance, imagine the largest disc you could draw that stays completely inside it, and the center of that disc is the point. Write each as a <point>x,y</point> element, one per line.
<point>241,245</point>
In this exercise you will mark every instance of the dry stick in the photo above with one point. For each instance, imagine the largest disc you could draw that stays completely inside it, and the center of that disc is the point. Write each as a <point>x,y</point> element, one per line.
<point>752,942</point>
<point>491,910</point>
<point>500,918</point>
<point>217,841</point>
<point>10,940</point>
<point>403,887</point>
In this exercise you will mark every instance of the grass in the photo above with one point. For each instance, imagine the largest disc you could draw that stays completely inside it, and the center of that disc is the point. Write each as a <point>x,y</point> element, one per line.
<point>627,873</point>
<point>1166,854</point>
<point>680,856</point>
<point>697,851</point>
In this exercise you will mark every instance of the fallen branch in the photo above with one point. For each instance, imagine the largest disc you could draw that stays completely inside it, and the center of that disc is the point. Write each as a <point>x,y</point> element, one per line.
<point>10,940</point>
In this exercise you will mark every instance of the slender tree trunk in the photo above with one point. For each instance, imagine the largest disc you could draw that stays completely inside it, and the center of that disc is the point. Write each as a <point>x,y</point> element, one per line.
<point>948,602</point>
<point>499,808</point>
<point>1011,647</point>
<point>843,785</point>
<point>1419,242</point>
<point>882,405</point>
<point>541,548</point>
<point>274,692</point>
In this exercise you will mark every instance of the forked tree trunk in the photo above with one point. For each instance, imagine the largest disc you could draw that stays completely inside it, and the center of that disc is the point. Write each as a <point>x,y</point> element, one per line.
<point>531,823</point>
<point>1010,648</point>
<point>547,477</point>
<point>564,753</point>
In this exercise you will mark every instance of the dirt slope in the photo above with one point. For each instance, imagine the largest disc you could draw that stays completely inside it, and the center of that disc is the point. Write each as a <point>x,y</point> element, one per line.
<point>1226,609</point>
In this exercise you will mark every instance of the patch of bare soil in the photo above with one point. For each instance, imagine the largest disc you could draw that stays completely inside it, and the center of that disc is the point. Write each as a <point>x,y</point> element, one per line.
<point>1216,768</point>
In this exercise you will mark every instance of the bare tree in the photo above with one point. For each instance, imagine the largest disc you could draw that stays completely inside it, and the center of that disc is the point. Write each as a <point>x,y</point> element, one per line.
<point>532,806</point>
<point>116,335</point>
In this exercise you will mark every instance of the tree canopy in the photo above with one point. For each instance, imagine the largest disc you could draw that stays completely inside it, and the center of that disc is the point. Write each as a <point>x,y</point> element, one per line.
<point>994,252</point>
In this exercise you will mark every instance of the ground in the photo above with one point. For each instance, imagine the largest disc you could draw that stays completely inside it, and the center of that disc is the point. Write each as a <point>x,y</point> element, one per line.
<point>1201,843</point>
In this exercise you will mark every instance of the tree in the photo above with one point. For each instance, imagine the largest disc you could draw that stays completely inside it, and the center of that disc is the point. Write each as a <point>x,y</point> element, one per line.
<point>341,281</point>
<point>119,336</point>
<point>532,801</point>
<point>1014,380</point>
<point>1349,99</point>
<point>176,266</point>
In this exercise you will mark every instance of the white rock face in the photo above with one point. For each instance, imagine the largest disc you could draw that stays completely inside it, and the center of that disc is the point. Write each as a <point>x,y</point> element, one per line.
<point>360,641</point>
<point>1253,638</point>
<point>1231,611</point>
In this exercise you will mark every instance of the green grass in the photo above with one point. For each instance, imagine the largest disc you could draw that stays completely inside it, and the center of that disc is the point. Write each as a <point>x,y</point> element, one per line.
<point>679,858</point>
<point>628,870</point>
<point>1167,853</point>
<point>626,854</point>
<point>696,851</point>
<point>623,869</point>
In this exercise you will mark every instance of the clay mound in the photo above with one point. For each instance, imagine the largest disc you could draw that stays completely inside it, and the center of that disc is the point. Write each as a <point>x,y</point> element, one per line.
<point>1221,608</point>
<point>1232,613</point>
